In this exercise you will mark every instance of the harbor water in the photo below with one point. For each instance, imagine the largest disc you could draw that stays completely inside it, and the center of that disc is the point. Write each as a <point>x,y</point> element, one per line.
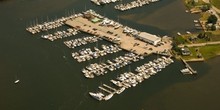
<point>50,79</point>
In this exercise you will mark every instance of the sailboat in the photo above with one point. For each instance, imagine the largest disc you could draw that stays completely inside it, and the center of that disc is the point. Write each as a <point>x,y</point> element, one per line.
<point>16,80</point>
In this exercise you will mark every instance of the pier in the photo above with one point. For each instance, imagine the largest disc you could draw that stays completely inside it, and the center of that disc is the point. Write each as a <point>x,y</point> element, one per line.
<point>103,2</point>
<point>134,4</point>
<point>81,41</point>
<point>109,87</point>
<point>105,90</point>
<point>123,36</point>
<point>88,54</point>
<point>117,63</point>
<point>61,34</point>
<point>192,71</point>
<point>129,79</point>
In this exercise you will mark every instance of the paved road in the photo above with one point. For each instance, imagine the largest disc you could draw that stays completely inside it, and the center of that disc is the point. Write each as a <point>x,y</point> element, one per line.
<point>200,44</point>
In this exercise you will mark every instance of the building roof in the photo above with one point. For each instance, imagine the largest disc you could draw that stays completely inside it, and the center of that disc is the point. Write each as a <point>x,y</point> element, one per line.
<point>149,36</point>
<point>95,20</point>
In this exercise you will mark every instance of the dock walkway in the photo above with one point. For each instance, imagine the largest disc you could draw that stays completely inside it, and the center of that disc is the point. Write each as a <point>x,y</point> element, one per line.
<point>109,87</point>
<point>189,67</point>
<point>125,41</point>
<point>105,90</point>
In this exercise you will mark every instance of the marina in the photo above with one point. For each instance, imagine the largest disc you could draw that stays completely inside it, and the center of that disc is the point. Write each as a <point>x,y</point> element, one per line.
<point>36,28</point>
<point>49,75</point>
<point>139,44</point>
<point>131,79</point>
<point>134,4</point>
<point>88,54</point>
<point>103,2</point>
<point>98,69</point>
<point>81,41</point>
<point>60,34</point>
<point>127,38</point>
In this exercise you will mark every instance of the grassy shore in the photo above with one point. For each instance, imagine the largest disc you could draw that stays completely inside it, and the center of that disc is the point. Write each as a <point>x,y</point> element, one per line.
<point>215,35</point>
<point>207,52</point>
<point>216,3</point>
<point>210,51</point>
<point>190,4</point>
<point>193,54</point>
<point>204,16</point>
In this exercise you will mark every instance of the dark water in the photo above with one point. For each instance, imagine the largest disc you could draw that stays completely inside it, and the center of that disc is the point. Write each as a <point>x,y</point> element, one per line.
<point>51,82</point>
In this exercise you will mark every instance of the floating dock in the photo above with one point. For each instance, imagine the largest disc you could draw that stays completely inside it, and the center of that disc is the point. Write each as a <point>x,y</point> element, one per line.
<point>189,67</point>
<point>105,90</point>
<point>110,87</point>
<point>129,79</point>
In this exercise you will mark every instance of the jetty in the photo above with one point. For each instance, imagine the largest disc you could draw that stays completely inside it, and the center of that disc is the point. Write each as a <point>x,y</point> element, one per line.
<point>191,70</point>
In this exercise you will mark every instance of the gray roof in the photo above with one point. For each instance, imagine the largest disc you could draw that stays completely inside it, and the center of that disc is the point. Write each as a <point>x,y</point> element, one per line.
<point>149,36</point>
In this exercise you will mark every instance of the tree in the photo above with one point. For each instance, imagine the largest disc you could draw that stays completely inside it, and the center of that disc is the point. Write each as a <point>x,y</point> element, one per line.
<point>212,19</point>
<point>201,35</point>
<point>205,7</point>
<point>213,27</point>
<point>205,35</point>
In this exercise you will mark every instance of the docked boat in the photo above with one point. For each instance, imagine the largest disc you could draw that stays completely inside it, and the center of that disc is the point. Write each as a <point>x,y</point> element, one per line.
<point>186,71</point>
<point>97,96</point>
<point>108,97</point>
<point>87,75</point>
<point>120,90</point>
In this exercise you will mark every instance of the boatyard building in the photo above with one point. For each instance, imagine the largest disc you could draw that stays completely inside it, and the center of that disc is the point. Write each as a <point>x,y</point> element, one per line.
<point>149,38</point>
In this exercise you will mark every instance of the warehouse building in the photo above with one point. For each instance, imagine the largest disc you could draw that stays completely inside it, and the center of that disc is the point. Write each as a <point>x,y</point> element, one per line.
<point>149,38</point>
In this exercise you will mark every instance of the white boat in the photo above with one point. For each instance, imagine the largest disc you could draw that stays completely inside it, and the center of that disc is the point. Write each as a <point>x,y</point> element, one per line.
<point>178,33</point>
<point>188,32</point>
<point>120,90</point>
<point>186,71</point>
<point>97,96</point>
<point>195,21</point>
<point>17,81</point>
<point>108,97</point>
<point>89,75</point>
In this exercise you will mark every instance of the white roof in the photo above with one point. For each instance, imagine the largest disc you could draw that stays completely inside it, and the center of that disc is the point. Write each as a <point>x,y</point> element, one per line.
<point>149,36</point>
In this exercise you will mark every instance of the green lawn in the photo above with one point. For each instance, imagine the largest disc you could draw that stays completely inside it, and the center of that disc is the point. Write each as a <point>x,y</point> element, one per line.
<point>186,38</point>
<point>189,4</point>
<point>205,16</point>
<point>210,51</point>
<point>216,3</point>
<point>207,52</point>
<point>193,54</point>
<point>180,40</point>
<point>215,35</point>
